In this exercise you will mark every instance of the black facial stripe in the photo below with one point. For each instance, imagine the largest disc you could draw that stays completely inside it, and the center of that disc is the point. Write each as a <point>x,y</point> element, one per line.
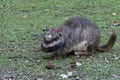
<point>54,39</point>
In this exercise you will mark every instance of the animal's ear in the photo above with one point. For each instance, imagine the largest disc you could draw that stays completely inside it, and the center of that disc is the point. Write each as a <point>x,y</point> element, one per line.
<point>46,29</point>
<point>59,30</point>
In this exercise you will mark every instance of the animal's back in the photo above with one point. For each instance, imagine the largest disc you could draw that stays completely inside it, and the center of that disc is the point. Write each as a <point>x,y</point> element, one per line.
<point>81,29</point>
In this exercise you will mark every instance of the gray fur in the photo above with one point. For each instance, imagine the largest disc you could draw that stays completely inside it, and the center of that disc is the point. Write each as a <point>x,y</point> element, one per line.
<point>78,34</point>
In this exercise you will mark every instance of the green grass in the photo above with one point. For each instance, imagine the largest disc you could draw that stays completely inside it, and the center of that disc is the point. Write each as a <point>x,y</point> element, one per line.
<point>21,24</point>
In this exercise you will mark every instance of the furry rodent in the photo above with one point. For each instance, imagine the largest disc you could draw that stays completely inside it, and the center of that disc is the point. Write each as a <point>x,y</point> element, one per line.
<point>78,35</point>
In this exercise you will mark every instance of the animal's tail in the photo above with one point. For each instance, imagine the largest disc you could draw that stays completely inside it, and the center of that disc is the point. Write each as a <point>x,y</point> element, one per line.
<point>109,44</point>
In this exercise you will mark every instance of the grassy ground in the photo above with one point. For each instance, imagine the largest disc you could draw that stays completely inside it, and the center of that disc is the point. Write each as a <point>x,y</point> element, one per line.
<point>21,24</point>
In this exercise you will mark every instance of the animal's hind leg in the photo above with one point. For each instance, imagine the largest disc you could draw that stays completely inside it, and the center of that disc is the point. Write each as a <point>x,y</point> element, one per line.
<point>86,50</point>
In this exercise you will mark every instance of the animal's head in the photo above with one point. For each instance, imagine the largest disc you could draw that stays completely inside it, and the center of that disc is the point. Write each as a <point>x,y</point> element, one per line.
<point>52,40</point>
<point>52,35</point>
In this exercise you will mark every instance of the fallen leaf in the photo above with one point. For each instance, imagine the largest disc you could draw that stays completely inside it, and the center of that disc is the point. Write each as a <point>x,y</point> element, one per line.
<point>66,18</point>
<point>64,76</point>
<point>38,79</point>
<point>78,64</point>
<point>114,23</point>
<point>70,73</point>
<point>50,66</point>
<point>24,16</point>
<point>77,78</point>
<point>114,14</point>
<point>115,76</point>
<point>7,79</point>
<point>106,61</point>
<point>117,57</point>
